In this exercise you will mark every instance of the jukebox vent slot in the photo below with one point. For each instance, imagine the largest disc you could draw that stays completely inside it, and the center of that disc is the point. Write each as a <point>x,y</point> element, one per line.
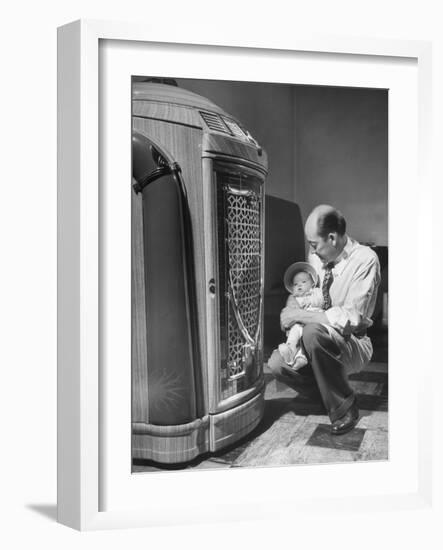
<point>214,122</point>
<point>234,127</point>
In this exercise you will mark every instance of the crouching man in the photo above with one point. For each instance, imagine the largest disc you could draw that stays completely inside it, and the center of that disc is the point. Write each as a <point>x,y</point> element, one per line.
<point>334,340</point>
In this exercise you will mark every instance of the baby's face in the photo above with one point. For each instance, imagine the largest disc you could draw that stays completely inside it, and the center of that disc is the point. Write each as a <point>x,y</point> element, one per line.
<point>301,283</point>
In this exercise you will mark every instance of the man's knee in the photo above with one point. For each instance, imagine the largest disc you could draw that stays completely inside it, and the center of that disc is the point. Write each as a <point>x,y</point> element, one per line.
<point>314,334</point>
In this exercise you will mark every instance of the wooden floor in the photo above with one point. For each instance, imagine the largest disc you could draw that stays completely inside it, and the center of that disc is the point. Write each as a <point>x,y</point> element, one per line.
<point>295,430</point>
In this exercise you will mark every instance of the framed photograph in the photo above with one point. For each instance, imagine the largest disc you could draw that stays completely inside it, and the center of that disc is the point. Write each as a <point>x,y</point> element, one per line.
<point>193,183</point>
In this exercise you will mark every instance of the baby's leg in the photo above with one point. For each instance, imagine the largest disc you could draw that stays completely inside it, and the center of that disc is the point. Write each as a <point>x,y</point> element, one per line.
<point>292,352</point>
<point>294,336</point>
<point>290,349</point>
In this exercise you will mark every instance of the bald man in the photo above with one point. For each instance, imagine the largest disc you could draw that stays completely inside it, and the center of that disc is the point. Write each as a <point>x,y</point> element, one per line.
<point>335,339</point>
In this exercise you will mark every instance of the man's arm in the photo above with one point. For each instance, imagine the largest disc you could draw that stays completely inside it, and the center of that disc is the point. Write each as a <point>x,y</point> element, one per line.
<point>290,316</point>
<point>356,310</point>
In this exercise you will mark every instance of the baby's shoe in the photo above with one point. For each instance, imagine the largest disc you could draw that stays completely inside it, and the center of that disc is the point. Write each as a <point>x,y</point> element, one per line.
<point>299,361</point>
<point>287,353</point>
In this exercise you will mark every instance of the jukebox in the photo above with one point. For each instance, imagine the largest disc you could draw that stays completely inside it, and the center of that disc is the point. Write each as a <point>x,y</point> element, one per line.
<point>197,275</point>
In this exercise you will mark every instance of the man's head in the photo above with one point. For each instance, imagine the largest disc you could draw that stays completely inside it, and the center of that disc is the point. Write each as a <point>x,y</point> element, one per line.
<point>325,231</point>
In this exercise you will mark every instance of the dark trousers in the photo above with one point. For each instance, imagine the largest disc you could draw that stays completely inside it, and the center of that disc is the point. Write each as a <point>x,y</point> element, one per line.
<point>323,377</point>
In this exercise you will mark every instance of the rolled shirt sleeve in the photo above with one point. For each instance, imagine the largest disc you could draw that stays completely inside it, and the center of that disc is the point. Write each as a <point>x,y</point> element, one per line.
<point>355,312</point>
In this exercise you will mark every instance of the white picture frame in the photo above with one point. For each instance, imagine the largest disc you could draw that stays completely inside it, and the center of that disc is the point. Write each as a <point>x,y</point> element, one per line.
<point>84,443</point>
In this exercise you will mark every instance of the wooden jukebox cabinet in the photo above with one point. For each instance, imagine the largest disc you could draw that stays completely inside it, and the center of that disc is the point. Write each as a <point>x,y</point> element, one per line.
<point>197,276</point>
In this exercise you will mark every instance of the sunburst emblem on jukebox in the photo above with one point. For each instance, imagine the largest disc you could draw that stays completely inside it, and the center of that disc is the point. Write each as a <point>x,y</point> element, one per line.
<point>197,283</point>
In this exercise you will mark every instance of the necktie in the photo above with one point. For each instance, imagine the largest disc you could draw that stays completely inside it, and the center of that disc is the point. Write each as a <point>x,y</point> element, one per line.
<point>327,282</point>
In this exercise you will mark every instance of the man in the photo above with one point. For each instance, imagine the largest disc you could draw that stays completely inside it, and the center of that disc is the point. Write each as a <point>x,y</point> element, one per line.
<point>334,340</point>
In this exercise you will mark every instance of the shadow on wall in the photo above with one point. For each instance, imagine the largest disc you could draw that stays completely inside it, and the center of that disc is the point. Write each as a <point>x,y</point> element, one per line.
<point>284,244</point>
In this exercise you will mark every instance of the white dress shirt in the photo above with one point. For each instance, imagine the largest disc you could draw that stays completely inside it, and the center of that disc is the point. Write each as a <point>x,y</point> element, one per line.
<point>356,276</point>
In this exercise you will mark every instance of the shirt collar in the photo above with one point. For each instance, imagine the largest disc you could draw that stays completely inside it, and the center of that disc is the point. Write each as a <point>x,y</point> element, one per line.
<point>340,261</point>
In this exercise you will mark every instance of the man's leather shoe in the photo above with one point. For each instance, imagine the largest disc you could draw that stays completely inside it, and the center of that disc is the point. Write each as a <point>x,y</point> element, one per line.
<point>347,422</point>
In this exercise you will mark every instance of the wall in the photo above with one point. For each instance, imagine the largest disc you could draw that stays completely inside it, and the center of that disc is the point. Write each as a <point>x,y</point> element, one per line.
<point>342,156</point>
<point>324,144</point>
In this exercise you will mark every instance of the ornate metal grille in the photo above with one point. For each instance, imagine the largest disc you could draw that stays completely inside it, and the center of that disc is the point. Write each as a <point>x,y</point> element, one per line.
<point>242,219</point>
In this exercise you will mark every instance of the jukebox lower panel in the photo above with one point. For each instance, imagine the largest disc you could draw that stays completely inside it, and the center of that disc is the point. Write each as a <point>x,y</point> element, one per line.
<point>170,444</point>
<point>181,443</point>
<point>230,426</point>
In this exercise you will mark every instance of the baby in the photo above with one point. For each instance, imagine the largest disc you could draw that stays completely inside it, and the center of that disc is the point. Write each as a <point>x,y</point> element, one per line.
<point>300,280</point>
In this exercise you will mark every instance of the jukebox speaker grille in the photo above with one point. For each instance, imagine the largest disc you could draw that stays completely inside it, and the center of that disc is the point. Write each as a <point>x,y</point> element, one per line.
<point>239,208</point>
<point>244,247</point>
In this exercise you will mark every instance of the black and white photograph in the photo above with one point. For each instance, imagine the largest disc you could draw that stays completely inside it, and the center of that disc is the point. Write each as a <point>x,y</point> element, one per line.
<point>259,246</point>
<point>221,275</point>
